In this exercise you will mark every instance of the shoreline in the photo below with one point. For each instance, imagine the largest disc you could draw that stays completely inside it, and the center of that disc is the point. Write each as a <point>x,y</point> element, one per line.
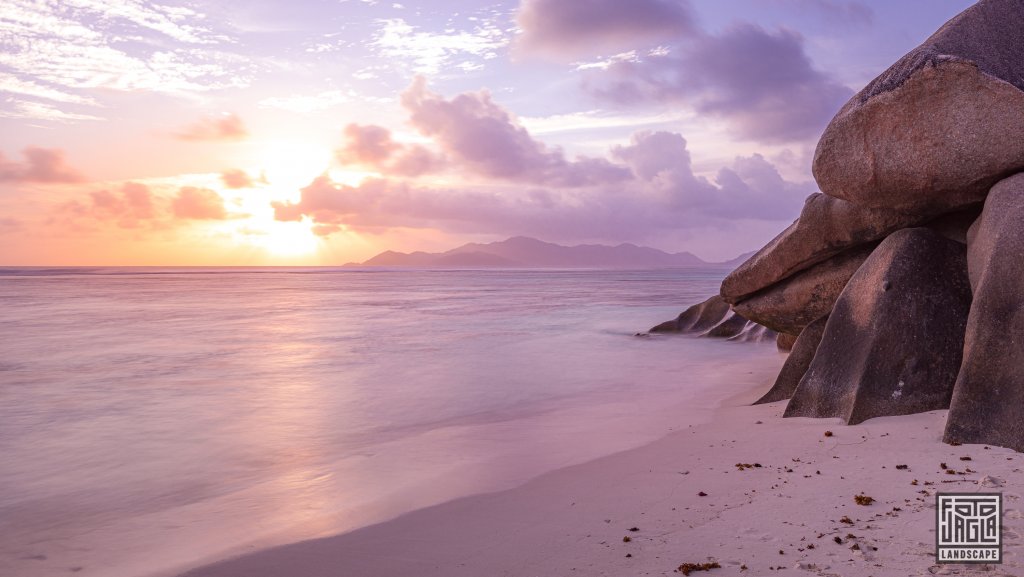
<point>783,516</point>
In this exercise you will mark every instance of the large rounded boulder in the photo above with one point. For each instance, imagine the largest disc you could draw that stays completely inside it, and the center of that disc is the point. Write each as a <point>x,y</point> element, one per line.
<point>827,226</point>
<point>792,304</point>
<point>796,364</point>
<point>936,130</point>
<point>893,343</point>
<point>988,400</point>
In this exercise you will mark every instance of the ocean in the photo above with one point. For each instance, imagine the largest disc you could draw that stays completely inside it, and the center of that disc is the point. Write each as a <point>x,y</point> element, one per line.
<point>156,418</point>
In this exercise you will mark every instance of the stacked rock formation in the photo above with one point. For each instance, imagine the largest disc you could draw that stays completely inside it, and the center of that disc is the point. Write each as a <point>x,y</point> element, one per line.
<point>715,318</point>
<point>902,280</point>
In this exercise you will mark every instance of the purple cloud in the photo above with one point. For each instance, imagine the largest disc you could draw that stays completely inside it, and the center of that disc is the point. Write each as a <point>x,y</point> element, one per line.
<point>578,27</point>
<point>40,165</point>
<point>372,146</point>
<point>761,83</point>
<point>482,137</point>
<point>838,12</point>
<point>660,194</point>
<point>751,188</point>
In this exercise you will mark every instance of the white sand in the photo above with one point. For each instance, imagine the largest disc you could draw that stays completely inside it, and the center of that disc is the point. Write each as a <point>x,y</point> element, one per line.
<point>781,518</point>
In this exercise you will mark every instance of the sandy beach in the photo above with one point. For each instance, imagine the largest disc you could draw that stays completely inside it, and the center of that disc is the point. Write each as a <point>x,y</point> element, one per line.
<point>691,498</point>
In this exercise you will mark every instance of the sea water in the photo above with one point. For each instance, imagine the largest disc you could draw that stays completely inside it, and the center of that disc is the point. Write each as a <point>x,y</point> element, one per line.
<point>152,419</point>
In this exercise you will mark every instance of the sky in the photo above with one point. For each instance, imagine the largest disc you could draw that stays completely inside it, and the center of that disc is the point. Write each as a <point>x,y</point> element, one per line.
<point>264,132</point>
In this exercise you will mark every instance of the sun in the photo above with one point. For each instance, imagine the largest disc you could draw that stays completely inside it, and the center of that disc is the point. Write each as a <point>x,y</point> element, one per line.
<point>283,168</point>
<point>289,239</point>
<point>292,165</point>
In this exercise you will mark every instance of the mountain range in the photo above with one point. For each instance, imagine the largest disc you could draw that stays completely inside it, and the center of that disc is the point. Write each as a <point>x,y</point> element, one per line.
<point>525,252</point>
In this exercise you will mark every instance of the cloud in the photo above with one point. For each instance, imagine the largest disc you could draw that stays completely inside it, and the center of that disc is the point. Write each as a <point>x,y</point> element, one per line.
<point>194,203</point>
<point>480,136</point>
<point>41,165</point>
<point>135,205</point>
<point>371,146</point>
<point>225,127</point>
<point>562,29</point>
<point>131,206</point>
<point>12,84</point>
<point>750,188</point>
<point>431,52</point>
<point>837,12</point>
<point>777,96</point>
<point>307,104</point>
<point>42,111</point>
<point>10,225</point>
<point>660,195</point>
<point>235,178</point>
<point>594,119</point>
<point>55,50</point>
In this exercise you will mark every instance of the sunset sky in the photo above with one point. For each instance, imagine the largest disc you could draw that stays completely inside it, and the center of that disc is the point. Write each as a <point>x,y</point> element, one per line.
<point>319,132</point>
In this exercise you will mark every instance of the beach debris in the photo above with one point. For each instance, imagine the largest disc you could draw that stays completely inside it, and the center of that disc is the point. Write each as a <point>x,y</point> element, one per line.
<point>702,494</point>
<point>965,458</point>
<point>627,539</point>
<point>902,467</point>
<point>863,499</point>
<point>634,529</point>
<point>847,520</point>
<point>742,466</point>
<point>990,481</point>
<point>838,540</point>
<point>828,433</point>
<point>687,568</point>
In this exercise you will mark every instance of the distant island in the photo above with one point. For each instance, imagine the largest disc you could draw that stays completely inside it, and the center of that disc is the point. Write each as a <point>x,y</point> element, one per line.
<point>525,252</point>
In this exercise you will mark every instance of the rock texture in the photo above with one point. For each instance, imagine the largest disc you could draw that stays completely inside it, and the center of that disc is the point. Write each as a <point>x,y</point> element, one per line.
<point>988,401</point>
<point>790,305</point>
<point>796,364</point>
<point>937,129</point>
<point>905,279</point>
<point>696,319</point>
<point>827,226</point>
<point>894,340</point>
<point>954,225</point>
<point>715,318</point>
<point>785,341</point>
